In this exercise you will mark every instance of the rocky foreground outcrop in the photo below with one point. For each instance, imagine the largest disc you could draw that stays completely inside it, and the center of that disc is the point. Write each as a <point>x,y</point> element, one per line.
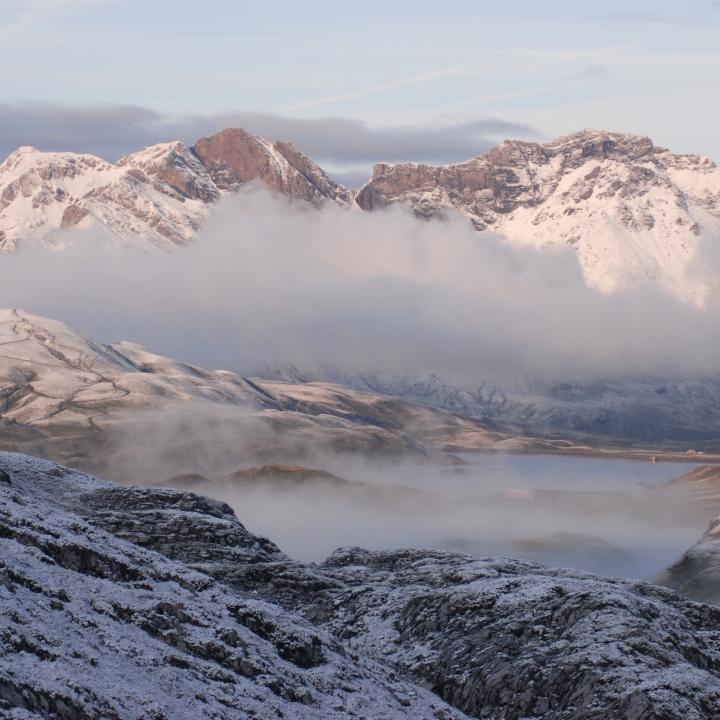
<point>96,625</point>
<point>131,602</point>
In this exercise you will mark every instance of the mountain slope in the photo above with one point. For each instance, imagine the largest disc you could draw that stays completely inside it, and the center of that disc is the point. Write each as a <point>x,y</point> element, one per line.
<point>66,396</point>
<point>158,196</point>
<point>633,212</point>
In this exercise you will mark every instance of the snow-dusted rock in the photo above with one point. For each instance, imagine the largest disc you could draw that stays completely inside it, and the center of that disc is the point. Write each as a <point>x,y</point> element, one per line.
<point>129,602</point>
<point>92,625</point>
<point>501,638</point>
<point>634,212</point>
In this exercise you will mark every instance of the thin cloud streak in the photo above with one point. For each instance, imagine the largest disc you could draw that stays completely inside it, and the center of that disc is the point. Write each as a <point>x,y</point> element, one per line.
<point>380,88</point>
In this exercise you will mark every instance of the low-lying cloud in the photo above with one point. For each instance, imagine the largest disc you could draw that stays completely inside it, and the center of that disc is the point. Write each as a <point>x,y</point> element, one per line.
<point>269,282</point>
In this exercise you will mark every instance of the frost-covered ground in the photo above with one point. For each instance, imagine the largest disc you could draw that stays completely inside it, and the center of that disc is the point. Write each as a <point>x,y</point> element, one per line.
<point>128,602</point>
<point>94,626</point>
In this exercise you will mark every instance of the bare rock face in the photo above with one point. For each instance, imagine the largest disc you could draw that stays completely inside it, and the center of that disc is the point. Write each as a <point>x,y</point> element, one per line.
<point>511,175</point>
<point>233,157</point>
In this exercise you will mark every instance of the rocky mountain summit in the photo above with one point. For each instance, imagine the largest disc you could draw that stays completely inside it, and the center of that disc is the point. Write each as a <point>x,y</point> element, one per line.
<point>616,198</point>
<point>158,196</point>
<point>140,602</point>
<point>233,157</point>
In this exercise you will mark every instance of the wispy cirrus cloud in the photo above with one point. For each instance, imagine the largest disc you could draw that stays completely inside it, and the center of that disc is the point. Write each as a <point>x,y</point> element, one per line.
<point>380,88</point>
<point>18,17</point>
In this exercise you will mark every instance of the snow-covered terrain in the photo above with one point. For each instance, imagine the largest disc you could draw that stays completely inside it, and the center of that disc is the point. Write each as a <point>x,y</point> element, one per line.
<point>44,192</point>
<point>129,602</point>
<point>635,213</point>
<point>651,410</point>
<point>158,196</point>
<point>71,398</point>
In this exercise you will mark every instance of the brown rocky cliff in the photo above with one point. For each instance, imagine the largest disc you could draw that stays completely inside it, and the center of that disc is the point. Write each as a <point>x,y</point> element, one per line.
<point>234,157</point>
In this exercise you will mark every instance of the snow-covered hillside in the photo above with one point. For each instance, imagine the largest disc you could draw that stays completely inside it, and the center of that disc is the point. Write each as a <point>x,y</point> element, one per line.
<point>645,409</point>
<point>69,397</point>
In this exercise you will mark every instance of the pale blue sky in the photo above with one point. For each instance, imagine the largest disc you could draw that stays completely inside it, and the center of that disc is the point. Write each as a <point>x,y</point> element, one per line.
<point>647,67</point>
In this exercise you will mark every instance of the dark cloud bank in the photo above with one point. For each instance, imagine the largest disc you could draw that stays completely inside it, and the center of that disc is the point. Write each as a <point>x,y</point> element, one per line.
<point>113,131</point>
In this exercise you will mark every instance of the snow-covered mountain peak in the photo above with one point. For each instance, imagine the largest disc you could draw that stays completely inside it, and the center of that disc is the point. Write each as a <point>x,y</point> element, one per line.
<point>635,213</point>
<point>158,196</point>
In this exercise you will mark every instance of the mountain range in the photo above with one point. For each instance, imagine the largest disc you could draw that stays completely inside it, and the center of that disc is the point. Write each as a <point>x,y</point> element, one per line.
<point>633,212</point>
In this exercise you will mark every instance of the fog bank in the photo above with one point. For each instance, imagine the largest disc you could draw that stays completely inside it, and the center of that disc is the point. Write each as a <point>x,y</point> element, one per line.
<point>269,282</point>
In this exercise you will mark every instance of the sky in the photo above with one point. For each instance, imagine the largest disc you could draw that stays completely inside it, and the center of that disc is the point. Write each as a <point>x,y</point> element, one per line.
<point>102,75</point>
